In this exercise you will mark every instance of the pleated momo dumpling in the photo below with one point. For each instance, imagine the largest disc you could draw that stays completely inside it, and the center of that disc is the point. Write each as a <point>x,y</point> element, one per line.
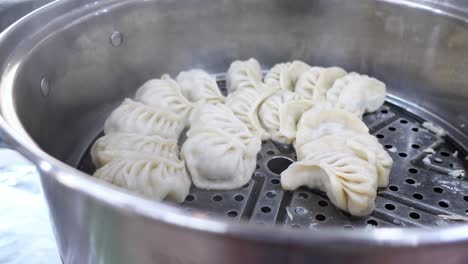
<point>138,118</point>
<point>245,103</point>
<point>197,85</point>
<point>132,146</point>
<point>273,76</point>
<point>279,114</point>
<point>220,153</point>
<point>285,75</point>
<point>217,160</point>
<point>314,83</point>
<point>319,122</point>
<point>362,145</point>
<point>220,116</point>
<point>349,182</point>
<point>357,94</point>
<point>157,178</point>
<point>166,95</point>
<point>243,74</point>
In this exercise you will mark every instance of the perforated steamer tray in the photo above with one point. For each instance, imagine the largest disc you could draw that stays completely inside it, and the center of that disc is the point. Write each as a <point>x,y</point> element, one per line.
<point>418,194</point>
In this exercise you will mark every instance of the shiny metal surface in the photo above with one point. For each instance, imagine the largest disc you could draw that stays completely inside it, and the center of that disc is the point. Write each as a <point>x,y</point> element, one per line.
<point>419,48</point>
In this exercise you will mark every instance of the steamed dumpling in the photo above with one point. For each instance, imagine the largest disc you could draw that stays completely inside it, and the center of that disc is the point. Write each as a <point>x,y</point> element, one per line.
<point>220,116</point>
<point>363,145</point>
<point>273,76</point>
<point>295,70</point>
<point>368,148</point>
<point>349,182</point>
<point>218,160</point>
<point>245,103</point>
<point>322,121</point>
<point>290,113</point>
<point>132,146</point>
<point>197,85</point>
<point>243,74</point>
<point>279,114</point>
<point>138,118</point>
<point>220,153</point>
<point>157,178</point>
<point>314,83</point>
<point>285,75</point>
<point>164,94</point>
<point>269,113</point>
<point>357,94</point>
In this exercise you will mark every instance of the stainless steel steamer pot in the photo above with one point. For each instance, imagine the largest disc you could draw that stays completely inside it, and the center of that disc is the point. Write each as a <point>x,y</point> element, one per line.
<point>65,66</point>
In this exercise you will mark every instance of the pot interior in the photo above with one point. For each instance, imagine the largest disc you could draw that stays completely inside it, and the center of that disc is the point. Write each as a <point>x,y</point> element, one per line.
<point>76,68</point>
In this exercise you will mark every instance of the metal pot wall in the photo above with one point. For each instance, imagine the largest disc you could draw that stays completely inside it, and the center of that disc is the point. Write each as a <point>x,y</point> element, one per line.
<point>67,65</point>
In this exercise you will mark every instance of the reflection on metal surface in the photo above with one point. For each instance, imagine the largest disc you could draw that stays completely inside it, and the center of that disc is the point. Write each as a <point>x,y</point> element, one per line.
<point>44,86</point>
<point>116,38</point>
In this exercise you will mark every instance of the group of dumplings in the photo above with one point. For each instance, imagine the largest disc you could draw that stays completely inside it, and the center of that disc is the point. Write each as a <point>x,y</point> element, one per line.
<point>316,109</point>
